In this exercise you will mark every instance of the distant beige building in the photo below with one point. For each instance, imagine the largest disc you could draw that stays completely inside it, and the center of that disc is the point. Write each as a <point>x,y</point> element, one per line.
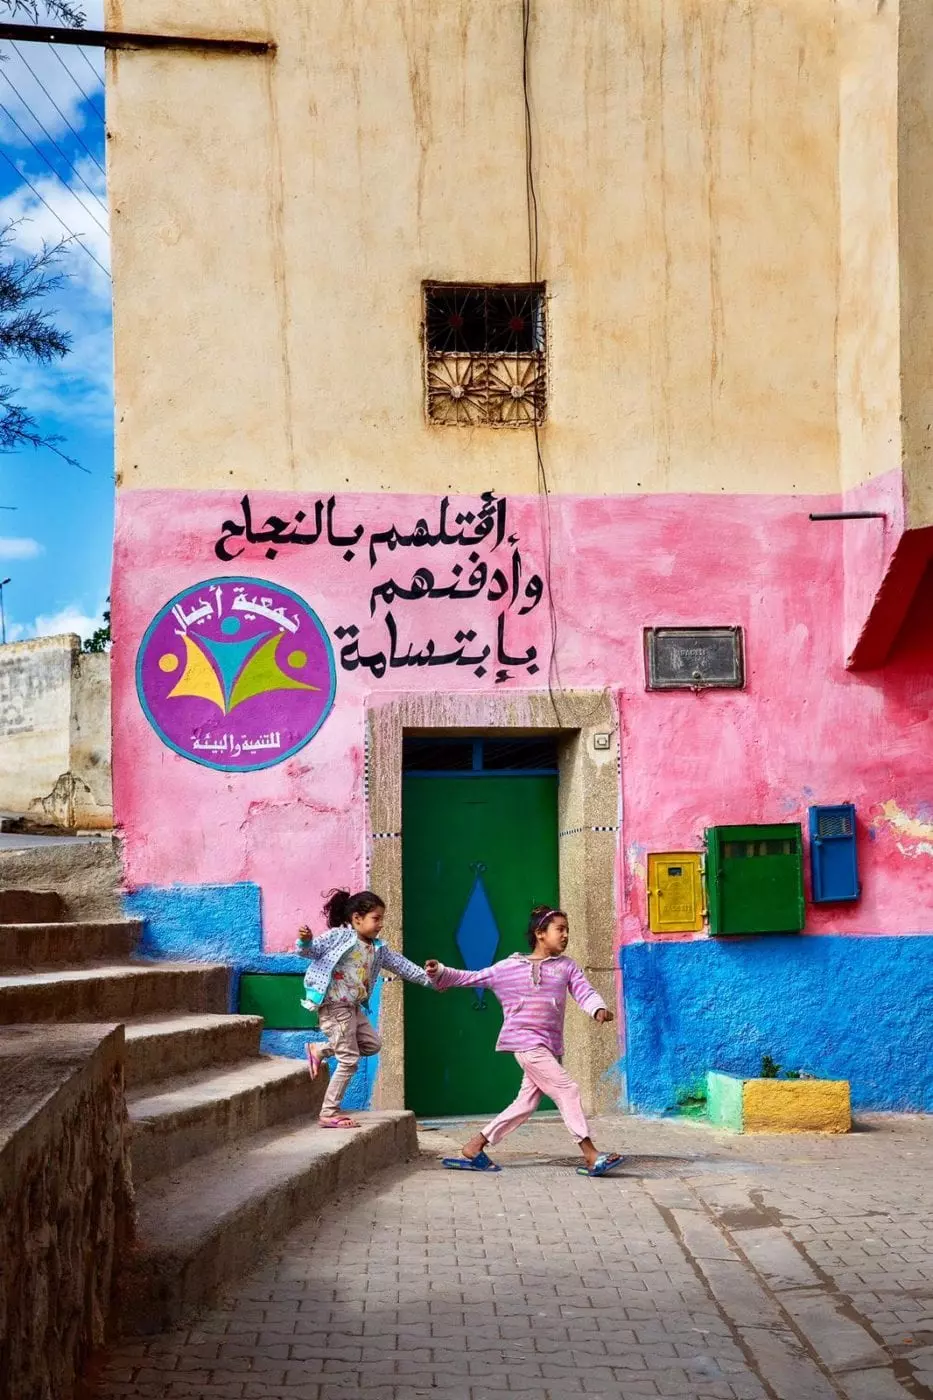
<point>55,734</point>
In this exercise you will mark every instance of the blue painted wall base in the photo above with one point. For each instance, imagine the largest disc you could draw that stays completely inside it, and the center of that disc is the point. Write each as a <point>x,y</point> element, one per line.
<point>841,1008</point>
<point>223,923</point>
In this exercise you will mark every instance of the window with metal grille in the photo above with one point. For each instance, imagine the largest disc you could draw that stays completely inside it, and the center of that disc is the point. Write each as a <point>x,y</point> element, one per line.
<point>834,824</point>
<point>485,354</point>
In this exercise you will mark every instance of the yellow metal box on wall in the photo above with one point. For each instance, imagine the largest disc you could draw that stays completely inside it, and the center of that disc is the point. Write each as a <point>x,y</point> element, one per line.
<point>675,892</point>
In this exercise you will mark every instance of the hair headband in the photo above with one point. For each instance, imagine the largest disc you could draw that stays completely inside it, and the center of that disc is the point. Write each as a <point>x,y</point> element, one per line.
<point>543,918</point>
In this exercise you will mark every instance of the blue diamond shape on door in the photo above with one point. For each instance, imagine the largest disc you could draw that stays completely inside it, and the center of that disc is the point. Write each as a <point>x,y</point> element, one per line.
<point>477,934</point>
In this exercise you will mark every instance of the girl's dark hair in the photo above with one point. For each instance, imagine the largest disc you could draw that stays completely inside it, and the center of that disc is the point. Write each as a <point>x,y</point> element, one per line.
<point>541,916</point>
<point>342,905</point>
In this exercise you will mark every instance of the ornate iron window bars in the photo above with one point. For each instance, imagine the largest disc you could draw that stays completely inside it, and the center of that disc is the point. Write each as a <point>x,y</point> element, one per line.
<point>485,354</point>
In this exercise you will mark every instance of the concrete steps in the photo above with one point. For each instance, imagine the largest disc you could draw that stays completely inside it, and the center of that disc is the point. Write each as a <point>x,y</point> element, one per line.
<point>162,1047</point>
<point>39,944</point>
<point>112,992</point>
<point>30,906</point>
<point>225,1147</point>
<point>86,877</point>
<point>199,1113</point>
<point>213,1218</point>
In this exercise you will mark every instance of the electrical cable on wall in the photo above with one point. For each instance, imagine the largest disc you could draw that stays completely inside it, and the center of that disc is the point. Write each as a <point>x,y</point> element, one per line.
<point>553,673</point>
<point>554,683</point>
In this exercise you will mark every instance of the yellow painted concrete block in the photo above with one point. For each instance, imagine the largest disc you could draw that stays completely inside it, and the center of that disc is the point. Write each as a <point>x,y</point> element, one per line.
<point>796,1106</point>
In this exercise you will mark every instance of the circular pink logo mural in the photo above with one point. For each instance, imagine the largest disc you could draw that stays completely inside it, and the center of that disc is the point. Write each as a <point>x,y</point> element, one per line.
<point>236,674</point>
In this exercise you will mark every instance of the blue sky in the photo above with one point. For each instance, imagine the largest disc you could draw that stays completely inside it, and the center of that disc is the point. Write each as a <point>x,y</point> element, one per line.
<point>56,545</point>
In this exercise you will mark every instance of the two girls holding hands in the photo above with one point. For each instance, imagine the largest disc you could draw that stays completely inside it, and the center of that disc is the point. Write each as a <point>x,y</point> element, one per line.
<point>532,988</point>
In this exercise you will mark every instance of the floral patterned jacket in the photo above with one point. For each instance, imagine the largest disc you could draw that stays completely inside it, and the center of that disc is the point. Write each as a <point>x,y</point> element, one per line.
<point>325,951</point>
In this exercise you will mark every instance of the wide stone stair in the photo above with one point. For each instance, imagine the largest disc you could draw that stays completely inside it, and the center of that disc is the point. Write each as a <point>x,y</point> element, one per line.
<point>225,1148</point>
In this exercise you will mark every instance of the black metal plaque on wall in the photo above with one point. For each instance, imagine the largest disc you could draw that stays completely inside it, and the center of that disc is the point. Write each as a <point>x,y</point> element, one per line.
<point>694,658</point>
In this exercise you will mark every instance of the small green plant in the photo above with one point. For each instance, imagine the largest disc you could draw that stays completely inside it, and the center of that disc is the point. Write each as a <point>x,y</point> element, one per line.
<point>770,1069</point>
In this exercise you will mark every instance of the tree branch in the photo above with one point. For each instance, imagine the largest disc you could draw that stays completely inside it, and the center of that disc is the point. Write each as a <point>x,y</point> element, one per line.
<point>19,429</point>
<point>63,11</point>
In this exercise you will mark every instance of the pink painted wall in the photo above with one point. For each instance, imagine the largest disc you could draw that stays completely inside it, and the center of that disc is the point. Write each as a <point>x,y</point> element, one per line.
<point>804,730</point>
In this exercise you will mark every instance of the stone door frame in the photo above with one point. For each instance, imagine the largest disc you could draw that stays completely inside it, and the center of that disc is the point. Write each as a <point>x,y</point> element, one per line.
<point>589,832</point>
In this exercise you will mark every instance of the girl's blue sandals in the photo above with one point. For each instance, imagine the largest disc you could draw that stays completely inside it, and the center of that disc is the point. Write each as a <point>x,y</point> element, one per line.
<point>479,1163</point>
<point>605,1163</point>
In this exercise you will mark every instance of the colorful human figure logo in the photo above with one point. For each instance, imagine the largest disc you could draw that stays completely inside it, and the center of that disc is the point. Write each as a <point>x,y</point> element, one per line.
<point>236,674</point>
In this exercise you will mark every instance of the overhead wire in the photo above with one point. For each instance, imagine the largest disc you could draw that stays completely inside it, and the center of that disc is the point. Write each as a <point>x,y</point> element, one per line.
<point>49,137</point>
<point>55,215</point>
<point>85,147</point>
<point>87,97</point>
<point>82,51</point>
<point>72,234</point>
<point>39,152</point>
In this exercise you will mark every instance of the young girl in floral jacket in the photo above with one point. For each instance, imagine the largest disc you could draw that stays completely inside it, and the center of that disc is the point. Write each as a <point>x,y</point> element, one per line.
<point>344,965</point>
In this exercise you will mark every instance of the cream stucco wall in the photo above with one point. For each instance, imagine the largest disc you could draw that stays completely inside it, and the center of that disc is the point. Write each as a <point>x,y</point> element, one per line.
<point>869,392</point>
<point>274,218</point>
<point>915,200</point>
<point>885,338</point>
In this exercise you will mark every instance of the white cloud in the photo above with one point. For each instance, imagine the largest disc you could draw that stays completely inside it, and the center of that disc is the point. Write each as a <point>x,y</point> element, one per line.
<point>74,617</point>
<point>46,216</point>
<point>71,618</point>
<point>19,548</point>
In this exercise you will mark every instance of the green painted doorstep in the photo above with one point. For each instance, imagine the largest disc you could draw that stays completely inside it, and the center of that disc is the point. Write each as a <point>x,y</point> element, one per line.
<point>276,996</point>
<point>724,1101</point>
<point>778,1105</point>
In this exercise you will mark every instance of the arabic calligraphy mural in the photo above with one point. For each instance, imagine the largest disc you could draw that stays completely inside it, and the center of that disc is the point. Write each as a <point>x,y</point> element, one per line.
<point>500,580</point>
<point>236,674</point>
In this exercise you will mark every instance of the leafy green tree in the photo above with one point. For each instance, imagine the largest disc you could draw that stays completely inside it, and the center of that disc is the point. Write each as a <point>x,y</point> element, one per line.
<point>101,639</point>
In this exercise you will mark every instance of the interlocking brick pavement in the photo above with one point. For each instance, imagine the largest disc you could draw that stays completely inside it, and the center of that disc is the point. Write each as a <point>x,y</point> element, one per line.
<point>715,1268</point>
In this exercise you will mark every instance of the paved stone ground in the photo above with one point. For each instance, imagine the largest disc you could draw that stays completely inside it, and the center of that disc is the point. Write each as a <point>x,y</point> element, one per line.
<point>715,1268</point>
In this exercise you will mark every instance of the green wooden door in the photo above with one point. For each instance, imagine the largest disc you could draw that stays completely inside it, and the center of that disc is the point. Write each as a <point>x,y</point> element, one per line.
<point>478,853</point>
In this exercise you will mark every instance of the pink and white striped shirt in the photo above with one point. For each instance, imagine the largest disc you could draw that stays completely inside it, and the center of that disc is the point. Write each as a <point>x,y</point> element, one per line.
<point>533,996</point>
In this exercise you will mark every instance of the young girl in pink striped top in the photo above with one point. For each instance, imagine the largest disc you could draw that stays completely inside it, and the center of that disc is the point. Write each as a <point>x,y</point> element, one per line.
<point>532,989</point>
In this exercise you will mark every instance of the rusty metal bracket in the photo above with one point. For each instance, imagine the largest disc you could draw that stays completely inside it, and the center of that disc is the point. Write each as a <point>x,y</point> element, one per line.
<point>116,39</point>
